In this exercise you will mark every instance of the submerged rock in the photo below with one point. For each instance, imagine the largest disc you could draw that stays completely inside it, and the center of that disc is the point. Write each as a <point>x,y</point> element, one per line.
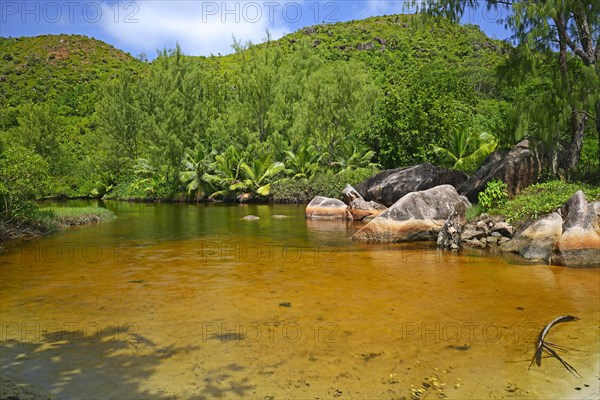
<point>326,208</point>
<point>416,216</point>
<point>387,187</point>
<point>579,244</point>
<point>538,240</point>
<point>251,218</point>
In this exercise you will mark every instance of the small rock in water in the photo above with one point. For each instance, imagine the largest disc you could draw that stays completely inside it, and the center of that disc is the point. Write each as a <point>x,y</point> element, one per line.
<point>492,239</point>
<point>251,218</point>
<point>475,243</point>
<point>279,216</point>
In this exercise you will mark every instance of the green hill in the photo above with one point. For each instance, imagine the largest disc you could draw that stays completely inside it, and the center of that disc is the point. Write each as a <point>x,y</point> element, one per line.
<point>64,69</point>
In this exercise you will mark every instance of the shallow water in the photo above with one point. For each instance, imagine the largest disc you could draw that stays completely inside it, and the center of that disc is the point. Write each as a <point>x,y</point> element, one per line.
<point>192,301</point>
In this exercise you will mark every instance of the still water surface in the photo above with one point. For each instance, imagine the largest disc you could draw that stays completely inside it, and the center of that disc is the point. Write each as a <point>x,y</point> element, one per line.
<point>192,301</point>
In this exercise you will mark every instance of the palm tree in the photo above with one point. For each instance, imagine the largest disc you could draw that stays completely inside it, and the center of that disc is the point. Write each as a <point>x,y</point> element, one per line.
<point>195,171</point>
<point>225,172</point>
<point>304,162</point>
<point>234,175</point>
<point>259,175</point>
<point>467,150</point>
<point>352,155</point>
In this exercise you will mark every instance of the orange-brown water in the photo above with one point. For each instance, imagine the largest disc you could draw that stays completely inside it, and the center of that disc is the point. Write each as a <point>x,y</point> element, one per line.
<point>186,301</point>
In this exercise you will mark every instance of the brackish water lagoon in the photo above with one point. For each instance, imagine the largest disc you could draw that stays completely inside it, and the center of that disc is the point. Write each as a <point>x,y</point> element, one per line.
<point>193,301</point>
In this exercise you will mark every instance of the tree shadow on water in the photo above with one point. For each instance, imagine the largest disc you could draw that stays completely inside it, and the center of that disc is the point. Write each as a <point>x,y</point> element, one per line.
<point>108,363</point>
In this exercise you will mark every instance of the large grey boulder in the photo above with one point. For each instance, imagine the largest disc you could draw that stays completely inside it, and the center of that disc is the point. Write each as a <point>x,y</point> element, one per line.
<point>518,168</point>
<point>579,245</point>
<point>416,216</point>
<point>390,185</point>
<point>538,240</point>
<point>326,208</point>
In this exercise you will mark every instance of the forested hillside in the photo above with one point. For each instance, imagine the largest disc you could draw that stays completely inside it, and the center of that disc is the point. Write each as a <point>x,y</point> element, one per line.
<point>285,119</point>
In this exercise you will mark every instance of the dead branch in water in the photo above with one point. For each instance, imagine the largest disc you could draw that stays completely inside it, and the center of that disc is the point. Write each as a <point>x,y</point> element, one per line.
<point>551,348</point>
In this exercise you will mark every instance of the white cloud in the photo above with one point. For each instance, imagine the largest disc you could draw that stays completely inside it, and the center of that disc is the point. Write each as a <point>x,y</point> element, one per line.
<point>200,27</point>
<point>382,7</point>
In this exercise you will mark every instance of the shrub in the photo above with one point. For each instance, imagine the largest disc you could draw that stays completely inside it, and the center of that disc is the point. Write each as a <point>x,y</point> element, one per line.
<point>494,195</point>
<point>23,179</point>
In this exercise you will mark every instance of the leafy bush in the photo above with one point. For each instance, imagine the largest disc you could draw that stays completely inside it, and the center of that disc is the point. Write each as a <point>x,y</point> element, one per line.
<point>326,184</point>
<point>494,195</point>
<point>23,179</point>
<point>543,198</point>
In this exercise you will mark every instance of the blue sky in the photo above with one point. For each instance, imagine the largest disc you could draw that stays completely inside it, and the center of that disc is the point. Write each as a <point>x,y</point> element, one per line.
<point>200,27</point>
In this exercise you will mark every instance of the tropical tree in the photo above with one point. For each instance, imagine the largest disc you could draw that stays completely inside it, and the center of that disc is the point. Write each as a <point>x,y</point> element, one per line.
<point>338,100</point>
<point>41,130</point>
<point>570,28</point>
<point>118,118</point>
<point>304,162</point>
<point>258,175</point>
<point>225,172</point>
<point>23,179</point>
<point>196,168</point>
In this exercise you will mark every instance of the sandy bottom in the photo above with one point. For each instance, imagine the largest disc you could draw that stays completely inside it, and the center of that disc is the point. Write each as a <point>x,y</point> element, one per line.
<point>178,319</point>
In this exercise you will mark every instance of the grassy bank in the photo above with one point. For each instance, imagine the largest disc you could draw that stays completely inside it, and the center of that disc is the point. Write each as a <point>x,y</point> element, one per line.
<point>51,219</point>
<point>542,199</point>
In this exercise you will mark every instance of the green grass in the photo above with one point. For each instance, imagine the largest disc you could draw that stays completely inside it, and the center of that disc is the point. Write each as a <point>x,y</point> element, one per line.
<point>61,217</point>
<point>541,199</point>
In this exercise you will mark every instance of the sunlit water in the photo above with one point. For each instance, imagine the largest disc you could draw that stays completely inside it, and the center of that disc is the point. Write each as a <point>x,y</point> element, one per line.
<point>192,301</point>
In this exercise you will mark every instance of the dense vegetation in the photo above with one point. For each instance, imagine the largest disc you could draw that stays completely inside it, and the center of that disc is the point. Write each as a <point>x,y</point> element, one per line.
<point>283,120</point>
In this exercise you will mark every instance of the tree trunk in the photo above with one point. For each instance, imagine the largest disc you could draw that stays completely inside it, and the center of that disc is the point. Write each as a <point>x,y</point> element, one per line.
<point>598,126</point>
<point>578,122</point>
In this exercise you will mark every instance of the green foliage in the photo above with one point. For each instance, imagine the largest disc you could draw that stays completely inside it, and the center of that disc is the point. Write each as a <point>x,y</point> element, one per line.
<point>327,102</point>
<point>23,178</point>
<point>54,218</point>
<point>557,53</point>
<point>588,169</point>
<point>467,151</point>
<point>494,195</point>
<point>304,162</point>
<point>543,198</point>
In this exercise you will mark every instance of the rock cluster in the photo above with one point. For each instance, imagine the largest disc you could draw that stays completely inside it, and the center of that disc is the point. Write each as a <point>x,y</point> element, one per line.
<point>450,235</point>
<point>354,207</point>
<point>389,186</point>
<point>570,236</point>
<point>486,231</point>
<point>416,216</point>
